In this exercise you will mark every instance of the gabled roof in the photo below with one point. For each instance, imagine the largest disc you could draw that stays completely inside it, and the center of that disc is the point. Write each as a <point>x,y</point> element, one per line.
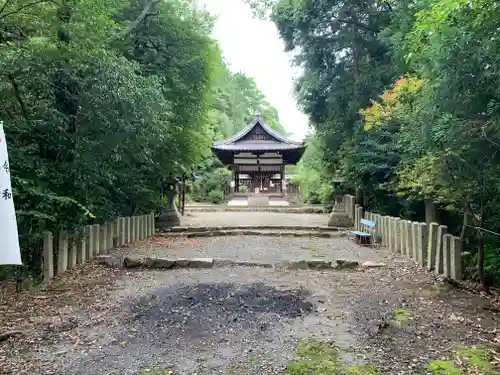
<point>281,142</point>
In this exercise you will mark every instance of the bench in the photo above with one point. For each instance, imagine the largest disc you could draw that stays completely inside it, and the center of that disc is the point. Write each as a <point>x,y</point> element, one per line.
<point>365,236</point>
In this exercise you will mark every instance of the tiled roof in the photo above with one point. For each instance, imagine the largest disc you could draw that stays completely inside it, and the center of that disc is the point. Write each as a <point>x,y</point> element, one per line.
<point>258,146</point>
<point>282,143</point>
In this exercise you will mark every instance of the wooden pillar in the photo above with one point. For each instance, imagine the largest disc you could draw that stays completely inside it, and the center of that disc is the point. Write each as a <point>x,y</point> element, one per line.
<point>236,179</point>
<point>179,196</point>
<point>183,192</point>
<point>282,168</point>
<point>232,188</point>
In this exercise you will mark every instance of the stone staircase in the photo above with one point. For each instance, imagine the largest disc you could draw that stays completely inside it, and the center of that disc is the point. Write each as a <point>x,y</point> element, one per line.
<point>258,200</point>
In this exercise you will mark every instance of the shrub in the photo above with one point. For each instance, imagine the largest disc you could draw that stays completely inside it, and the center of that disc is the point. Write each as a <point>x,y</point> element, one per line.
<point>215,196</point>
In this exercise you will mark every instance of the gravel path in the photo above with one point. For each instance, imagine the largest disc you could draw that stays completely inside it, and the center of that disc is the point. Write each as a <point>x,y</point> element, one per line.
<point>252,218</point>
<point>255,248</point>
<point>242,321</point>
<point>249,321</point>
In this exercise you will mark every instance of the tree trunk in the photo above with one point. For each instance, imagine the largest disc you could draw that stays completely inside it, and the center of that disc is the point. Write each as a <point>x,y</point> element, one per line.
<point>480,255</point>
<point>359,196</point>
<point>430,211</point>
<point>480,263</point>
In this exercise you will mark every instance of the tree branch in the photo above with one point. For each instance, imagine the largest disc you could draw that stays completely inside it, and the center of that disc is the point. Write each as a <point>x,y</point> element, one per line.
<point>140,18</point>
<point>4,6</point>
<point>24,7</point>
<point>17,94</point>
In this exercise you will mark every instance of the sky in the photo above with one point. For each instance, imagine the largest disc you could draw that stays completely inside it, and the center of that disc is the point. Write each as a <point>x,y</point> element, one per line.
<point>253,47</point>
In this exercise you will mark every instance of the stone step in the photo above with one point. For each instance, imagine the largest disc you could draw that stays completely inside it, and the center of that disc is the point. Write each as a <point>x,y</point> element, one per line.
<point>204,228</point>
<point>167,263</point>
<point>258,200</point>
<point>292,209</point>
<point>249,232</point>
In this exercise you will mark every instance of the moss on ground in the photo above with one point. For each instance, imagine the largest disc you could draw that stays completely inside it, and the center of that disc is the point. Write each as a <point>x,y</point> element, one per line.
<point>311,246</point>
<point>316,357</point>
<point>322,358</point>
<point>402,316</point>
<point>467,360</point>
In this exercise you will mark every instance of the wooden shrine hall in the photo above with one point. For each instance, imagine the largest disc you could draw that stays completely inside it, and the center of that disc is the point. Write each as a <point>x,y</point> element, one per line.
<point>257,155</point>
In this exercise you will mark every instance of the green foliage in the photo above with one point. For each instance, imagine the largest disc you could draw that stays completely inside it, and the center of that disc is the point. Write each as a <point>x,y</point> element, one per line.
<point>467,360</point>
<point>440,367</point>
<point>211,183</point>
<point>404,100</point>
<point>311,174</point>
<point>216,196</point>
<point>235,98</point>
<point>100,104</point>
<point>322,358</point>
<point>401,316</point>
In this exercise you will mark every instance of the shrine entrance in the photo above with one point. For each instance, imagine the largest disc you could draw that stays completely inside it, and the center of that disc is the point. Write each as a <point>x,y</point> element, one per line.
<point>257,156</point>
<point>259,173</point>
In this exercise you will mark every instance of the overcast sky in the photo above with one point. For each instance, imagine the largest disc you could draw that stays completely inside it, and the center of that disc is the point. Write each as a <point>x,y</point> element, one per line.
<point>253,47</point>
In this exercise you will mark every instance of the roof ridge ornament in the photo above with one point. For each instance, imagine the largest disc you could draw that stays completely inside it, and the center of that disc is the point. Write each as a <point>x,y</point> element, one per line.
<point>258,115</point>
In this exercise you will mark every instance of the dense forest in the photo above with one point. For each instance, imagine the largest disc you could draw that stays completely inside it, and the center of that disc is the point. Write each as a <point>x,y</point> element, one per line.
<point>404,99</point>
<point>101,100</point>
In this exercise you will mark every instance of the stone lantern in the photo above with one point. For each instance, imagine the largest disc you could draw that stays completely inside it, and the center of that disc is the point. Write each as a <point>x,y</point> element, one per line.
<point>169,217</point>
<point>338,217</point>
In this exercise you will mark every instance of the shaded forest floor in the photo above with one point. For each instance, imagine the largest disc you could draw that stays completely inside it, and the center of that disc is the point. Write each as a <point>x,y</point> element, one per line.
<point>238,320</point>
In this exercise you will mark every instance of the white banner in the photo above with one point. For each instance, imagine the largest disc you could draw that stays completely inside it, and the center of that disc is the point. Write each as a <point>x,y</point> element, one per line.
<point>10,253</point>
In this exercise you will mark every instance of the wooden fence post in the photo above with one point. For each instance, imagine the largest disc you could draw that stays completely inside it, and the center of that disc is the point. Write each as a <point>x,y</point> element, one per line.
<point>72,253</point>
<point>128,230</point>
<point>447,239</point>
<point>89,250</point>
<point>456,259</point>
<point>392,233</point>
<point>109,235</point>
<point>48,256</point>
<point>422,241</point>
<point>414,241</point>
<point>97,250</point>
<point>82,250</point>
<point>386,231</point>
<point>132,230</point>
<point>138,228</point>
<point>397,230</point>
<point>103,239</point>
<point>442,230</point>
<point>62,254</point>
<point>432,245</point>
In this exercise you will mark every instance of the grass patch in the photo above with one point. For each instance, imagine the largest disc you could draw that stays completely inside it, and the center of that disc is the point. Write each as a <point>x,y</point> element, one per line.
<point>435,290</point>
<point>362,370</point>
<point>467,360</point>
<point>402,316</point>
<point>253,360</point>
<point>311,246</point>
<point>322,358</point>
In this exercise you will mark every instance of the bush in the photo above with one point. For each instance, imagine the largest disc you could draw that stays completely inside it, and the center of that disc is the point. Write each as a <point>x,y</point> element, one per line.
<point>244,189</point>
<point>215,196</point>
<point>216,180</point>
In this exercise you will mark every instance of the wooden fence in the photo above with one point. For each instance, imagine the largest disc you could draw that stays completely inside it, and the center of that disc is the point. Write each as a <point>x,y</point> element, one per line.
<point>63,251</point>
<point>428,244</point>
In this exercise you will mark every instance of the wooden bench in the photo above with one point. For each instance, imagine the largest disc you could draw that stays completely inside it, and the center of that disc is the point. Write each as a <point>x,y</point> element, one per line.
<point>365,236</point>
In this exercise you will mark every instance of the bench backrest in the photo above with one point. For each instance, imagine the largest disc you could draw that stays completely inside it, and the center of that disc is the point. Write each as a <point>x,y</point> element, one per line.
<point>368,223</point>
<point>368,226</point>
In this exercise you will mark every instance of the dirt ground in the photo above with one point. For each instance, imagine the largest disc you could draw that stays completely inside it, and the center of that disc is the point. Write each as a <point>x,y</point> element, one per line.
<point>253,248</point>
<point>237,320</point>
<point>251,218</point>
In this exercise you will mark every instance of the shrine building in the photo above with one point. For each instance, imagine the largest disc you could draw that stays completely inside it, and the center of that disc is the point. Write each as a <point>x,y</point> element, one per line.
<point>257,156</point>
